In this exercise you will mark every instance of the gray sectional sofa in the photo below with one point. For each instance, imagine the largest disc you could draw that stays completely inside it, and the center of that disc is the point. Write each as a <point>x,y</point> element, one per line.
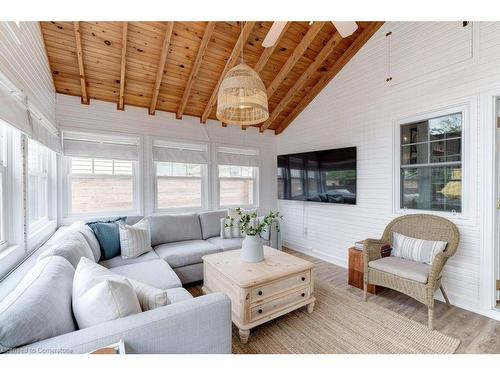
<point>187,324</point>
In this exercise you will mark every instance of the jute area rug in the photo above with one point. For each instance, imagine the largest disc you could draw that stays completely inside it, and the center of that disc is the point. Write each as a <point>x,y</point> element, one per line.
<point>342,323</point>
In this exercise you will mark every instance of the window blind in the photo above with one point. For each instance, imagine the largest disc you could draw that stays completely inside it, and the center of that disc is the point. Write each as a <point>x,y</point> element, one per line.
<point>85,145</point>
<point>237,156</point>
<point>180,152</point>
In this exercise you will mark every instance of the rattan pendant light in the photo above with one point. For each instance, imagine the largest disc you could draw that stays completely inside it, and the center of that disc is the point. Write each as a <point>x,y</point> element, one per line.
<point>242,97</point>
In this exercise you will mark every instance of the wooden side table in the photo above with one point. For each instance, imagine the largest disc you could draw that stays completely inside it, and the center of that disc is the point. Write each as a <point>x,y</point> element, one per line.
<point>356,270</point>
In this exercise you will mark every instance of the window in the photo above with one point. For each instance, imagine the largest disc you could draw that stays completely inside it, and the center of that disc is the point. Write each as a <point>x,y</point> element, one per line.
<point>431,164</point>
<point>179,185</point>
<point>180,171</point>
<point>38,180</point>
<point>237,185</point>
<point>3,187</point>
<point>100,185</point>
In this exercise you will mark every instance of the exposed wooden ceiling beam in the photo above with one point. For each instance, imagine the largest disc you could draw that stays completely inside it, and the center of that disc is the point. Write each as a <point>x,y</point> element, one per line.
<point>294,57</point>
<point>161,66</point>
<point>122,67</point>
<point>231,61</point>
<point>330,74</point>
<point>308,73</point>
<point>267,53</point>
<point>196,66</point>
<point>81,69</point>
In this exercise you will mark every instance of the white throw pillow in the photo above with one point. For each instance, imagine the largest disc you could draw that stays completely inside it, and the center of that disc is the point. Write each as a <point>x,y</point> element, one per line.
<point>416,249</point>
<point>135,239</point>
<point>88,274</point>
<point>72,246</point>
<point>105,301</point>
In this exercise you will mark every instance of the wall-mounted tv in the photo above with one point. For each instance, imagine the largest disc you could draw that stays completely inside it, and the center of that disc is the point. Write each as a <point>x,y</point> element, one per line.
<point>327,176</point>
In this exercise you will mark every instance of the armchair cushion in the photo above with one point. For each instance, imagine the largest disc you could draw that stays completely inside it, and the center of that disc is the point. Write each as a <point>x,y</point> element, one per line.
<point>405,268</point>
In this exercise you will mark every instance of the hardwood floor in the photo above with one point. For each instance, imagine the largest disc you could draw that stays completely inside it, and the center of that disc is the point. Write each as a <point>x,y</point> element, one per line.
<point>477,333</point>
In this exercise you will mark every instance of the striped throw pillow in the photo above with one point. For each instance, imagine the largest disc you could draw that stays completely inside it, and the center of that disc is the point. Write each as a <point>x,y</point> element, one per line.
<point>415,249</point>
<point>135,239</point>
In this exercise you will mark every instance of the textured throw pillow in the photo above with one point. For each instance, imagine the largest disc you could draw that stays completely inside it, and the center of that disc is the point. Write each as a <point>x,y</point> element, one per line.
<point>72,247</point>
<point>416,249</point>
<point>40,306</point>
<point>135,239</point>
<point>105,301</point>
<point>88,274</point>
<point>108,235</point>
<point>84,229</point>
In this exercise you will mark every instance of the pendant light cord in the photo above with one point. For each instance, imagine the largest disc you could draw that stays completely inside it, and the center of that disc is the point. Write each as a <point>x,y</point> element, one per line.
<point>241,37</point>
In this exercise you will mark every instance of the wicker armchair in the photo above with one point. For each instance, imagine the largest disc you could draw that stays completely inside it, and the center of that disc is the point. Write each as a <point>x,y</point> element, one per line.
<point>428,227</point>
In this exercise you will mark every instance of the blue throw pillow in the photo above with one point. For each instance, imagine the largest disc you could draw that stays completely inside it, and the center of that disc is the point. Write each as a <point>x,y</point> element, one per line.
<point>108,235</point>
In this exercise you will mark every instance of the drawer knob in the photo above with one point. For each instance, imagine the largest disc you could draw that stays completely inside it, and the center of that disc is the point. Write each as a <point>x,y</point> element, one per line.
<point>303,294</point>
<point>260,292</point>
<point>303,278</point>
<point>260,311</point>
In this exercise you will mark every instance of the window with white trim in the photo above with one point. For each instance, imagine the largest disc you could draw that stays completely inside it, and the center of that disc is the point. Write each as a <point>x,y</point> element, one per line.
<point>237,171</point>
<point>37,184</point>
<point>180,173</point>
<point>101,174</point>
<point>4,177</point>
<point>100,185</point>
<point>431,164</point>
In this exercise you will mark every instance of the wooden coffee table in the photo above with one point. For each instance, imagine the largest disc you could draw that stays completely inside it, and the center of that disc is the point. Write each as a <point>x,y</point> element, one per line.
<point>260,291</point>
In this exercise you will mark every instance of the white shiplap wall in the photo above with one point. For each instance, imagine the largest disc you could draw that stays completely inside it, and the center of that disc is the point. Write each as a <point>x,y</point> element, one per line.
<point>24,62</point>
<point>104,117</point>
<point>358,108</point>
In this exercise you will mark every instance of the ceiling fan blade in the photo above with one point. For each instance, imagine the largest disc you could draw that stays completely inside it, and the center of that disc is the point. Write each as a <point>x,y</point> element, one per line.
<point>345,28</point>
<point>273,34</point>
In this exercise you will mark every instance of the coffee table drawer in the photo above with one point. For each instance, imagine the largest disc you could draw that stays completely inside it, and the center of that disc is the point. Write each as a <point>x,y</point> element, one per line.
<point>261,310</point>
<point>268,290</point>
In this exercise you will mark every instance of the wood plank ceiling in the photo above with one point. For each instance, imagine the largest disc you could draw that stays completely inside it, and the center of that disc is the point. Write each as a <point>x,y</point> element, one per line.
<point>178,66</point>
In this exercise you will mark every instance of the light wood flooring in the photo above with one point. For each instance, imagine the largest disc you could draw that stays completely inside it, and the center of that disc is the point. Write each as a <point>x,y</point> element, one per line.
<point>477,333</point>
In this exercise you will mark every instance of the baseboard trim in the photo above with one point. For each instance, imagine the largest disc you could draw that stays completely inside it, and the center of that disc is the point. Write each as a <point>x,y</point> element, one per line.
<point>454,299</point>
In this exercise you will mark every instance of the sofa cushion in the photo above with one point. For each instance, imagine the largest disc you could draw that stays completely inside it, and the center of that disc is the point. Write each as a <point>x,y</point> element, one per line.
<point>174,228</point>
<point>119,261</point>
<point>405,268</point>
<point>178,295</point>
<point>135,240</point>
<point>155,272</point>
<point>40,306</point>
<point>108,235</point>
<point>226,243</point>
<point>72,247</point>
<point>183,253</point>
<point>88,234</point>
<point>89,274</point>
<point>107,300</point>
<point>210,223</point>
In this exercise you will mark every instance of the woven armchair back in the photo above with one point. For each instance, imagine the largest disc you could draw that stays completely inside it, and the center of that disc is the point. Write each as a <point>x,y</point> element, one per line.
<point>426,227</point>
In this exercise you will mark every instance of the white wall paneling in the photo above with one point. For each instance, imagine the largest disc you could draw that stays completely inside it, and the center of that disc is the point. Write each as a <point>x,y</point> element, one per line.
<point>104,118</point>
<point>359,108</point>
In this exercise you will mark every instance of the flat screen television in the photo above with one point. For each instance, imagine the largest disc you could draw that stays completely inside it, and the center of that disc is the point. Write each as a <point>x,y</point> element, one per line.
<point>327,176</point>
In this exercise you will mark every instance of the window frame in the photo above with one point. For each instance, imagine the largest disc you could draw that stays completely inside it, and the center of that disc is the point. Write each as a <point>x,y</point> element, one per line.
<point>46,175</point>
<point>204,189</point>
<point>467,159</point>
<point>254,178</point>
<point>69,215</point>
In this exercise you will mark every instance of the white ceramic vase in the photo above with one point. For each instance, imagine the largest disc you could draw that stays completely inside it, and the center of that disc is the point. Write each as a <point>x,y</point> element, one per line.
<point>252,249</point>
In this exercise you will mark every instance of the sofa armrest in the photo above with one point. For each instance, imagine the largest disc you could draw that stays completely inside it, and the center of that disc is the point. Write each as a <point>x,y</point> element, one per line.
<point>198,325</point>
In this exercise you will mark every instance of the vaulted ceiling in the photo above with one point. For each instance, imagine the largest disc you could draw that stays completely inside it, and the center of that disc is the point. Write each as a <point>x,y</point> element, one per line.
<point>178,66</point>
